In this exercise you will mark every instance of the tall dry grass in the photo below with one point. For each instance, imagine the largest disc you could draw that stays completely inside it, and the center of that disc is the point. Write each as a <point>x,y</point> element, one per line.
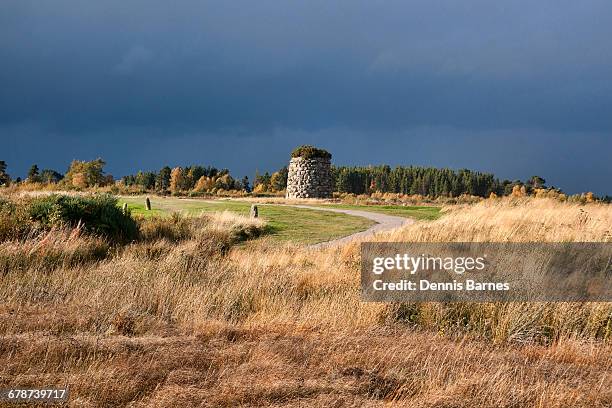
<point>516,220</point>
<point>48,250</point>
<point>182,271</point>
<point>187,317</point>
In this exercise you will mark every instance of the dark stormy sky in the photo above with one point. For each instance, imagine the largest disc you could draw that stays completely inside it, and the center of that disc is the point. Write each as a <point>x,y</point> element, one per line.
<point>517,87</point>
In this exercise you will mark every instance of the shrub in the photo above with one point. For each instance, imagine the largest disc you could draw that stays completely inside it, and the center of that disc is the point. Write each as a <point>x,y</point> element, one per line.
<point>310,152</point>
<point>14,221</point>
<point>98,214</point>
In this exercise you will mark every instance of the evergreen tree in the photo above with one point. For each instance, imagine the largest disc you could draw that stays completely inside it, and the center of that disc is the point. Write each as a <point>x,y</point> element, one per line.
<point>145,179</point>
<point>5,179</point>
<point>33,174</point>
<point>245,184</point>
<point>536,182</point>
<point>162,182</point>
<point>196,172</point>
<point>50,176</point>
<point>129,180</point>
<point>261,182</point>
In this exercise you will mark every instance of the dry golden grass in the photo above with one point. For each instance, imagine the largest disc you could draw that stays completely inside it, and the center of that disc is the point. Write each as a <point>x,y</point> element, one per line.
<point>51,249</point>
<point>196,321</point>
<point>179,228</point>
<point>517,220</point>
<point>279,366</point>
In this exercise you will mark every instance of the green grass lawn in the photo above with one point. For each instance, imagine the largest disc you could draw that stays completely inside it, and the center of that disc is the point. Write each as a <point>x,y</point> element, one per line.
<point>415,212</point>
<point>284,223</point>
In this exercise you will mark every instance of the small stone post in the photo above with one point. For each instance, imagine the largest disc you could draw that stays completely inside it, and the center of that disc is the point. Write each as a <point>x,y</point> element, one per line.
<point>148,204</point>
<point>125,209</point>
<point>254,212</point>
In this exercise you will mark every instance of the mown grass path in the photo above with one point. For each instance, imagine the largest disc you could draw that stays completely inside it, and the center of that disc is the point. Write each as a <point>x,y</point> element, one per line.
<point>384,222</point>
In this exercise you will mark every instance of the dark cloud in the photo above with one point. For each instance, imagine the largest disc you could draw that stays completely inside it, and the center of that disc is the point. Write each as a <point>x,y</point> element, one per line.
<point>475,83</point>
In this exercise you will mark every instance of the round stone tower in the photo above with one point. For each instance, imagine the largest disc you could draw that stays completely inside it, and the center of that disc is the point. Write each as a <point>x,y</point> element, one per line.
<point>309,173</point>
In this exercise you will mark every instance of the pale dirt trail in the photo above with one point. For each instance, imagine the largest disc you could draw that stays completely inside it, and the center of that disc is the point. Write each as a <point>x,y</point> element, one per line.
<point>384,222</point>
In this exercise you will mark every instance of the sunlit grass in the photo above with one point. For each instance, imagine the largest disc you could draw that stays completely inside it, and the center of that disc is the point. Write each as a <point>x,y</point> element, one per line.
<point>415,212</point>
<point>284,223</point>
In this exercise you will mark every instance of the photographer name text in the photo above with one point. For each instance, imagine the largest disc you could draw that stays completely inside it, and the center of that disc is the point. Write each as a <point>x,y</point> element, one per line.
<point>412,265</point>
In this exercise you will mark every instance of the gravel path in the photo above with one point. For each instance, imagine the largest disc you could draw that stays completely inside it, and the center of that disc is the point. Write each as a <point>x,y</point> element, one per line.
<point>384,222</point>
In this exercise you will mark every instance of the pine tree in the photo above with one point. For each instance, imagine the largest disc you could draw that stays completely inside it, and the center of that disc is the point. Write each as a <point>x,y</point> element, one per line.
<point>5,179</point>
<point>33,174</point>
<point>145,179</point>
<point>537,182</point>
<point>50,176</point>
<point>245,184</point>
<point>162,182</point>
<point>262,182</point>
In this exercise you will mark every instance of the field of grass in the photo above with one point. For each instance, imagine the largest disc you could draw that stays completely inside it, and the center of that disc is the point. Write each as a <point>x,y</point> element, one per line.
<point>284,223</point>
<point>184,317</point>
<point>415,212</point>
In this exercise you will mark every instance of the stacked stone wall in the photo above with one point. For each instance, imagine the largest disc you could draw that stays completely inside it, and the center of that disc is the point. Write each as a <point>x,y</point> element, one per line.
<point>309,178</point>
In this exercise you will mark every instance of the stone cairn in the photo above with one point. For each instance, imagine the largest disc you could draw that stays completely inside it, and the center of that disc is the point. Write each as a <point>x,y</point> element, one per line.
<point>309,173</point>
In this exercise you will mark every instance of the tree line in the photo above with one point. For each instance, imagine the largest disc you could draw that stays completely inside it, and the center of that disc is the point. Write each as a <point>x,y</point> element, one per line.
<point>408,180</point>
<point>425,181</point>
<point>183,179</point>
<point>34,175</point>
